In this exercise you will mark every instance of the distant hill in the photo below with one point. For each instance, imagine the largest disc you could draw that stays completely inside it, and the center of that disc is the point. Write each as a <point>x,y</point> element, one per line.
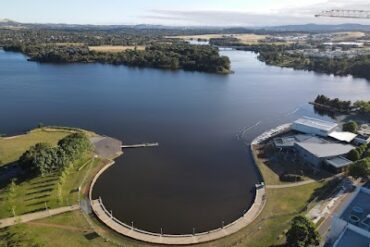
<point>320,28</point>
<point>7,23</point>
<point>10,24</point>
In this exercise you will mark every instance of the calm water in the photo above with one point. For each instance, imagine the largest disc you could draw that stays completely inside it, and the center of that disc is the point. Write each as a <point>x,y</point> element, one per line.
<point>201,174</point>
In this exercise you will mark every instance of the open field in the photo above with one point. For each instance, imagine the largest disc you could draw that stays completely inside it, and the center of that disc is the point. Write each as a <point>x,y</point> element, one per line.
<point>244,38</point>
<point>12,148</point>
<point>65,44</point>
<point>348,36</point>
<point>113,49</point>
<point>70,229</point>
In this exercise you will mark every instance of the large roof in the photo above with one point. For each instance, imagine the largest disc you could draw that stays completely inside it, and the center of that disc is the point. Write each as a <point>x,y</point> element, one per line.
<point>339,162</point>
<point>343,136</point>
<point>323,150</point>
<point>316,123</point>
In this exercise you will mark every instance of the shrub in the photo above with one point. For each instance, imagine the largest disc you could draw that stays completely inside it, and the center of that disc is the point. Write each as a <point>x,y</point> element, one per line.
<point>351,126</point>
<point>354,155</point>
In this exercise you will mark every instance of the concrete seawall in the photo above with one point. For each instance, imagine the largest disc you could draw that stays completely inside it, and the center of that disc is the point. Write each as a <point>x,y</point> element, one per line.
<point>97,175</point>
<point>105,216</point>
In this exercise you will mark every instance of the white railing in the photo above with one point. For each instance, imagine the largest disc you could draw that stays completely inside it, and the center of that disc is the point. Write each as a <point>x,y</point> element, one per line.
<point>109,213</point>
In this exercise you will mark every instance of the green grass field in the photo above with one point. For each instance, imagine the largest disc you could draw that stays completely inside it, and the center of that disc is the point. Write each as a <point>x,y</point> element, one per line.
<point>37,193</point>
<point>69,229</point>
<point>269,176</point>
<point>13,147</point>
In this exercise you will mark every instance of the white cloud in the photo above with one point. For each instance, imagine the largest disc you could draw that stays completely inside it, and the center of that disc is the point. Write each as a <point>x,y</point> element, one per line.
<point>280,13</point>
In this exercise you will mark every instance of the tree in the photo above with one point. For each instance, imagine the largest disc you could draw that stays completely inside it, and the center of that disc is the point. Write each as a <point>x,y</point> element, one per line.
<point>302,233</point>
<point>351,126</point>
<point>74,145</point>
<point>12,194</point>
<point>354,155</point>
<point>360,169</point>
<point>45,159</point>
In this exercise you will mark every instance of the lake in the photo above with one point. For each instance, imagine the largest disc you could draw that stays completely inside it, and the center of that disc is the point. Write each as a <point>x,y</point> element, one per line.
<point>202,173</point>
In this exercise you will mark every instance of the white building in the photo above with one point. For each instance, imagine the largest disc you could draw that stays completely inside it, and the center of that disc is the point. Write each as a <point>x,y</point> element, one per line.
<point>314,126</point>
<point>351,227</point>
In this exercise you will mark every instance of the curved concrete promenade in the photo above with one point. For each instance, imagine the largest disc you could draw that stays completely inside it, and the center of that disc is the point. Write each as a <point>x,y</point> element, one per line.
<point>105,216</point>
<point>109,220</point>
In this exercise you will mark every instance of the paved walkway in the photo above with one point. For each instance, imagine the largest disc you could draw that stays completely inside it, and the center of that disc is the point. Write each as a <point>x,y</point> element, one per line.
<point>125,230</point>
<point>36,216</point>
<point>283,186</point>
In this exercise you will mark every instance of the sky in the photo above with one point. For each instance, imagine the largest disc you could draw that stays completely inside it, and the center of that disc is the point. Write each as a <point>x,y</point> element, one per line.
<point>176,12</point>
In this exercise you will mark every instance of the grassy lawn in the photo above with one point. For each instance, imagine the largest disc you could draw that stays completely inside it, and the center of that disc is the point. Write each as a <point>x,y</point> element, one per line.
<point>268,229</point>
<point>243,38</point>
<point>11,148</point>
<point>269,176</point>
<point>272,164</point>
<point>70,229</point>
<point>116,48</point>
<point>35,194</point>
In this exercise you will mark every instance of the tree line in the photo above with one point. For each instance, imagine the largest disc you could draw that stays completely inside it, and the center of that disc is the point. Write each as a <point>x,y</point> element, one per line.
<point>358,66</point>
<point>164,56</point>
<point>44,159</point>
<point>283,55</point>
<point>359,106</point>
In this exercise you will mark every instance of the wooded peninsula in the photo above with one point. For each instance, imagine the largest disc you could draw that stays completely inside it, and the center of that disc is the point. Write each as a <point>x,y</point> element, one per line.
<point>74,47</point>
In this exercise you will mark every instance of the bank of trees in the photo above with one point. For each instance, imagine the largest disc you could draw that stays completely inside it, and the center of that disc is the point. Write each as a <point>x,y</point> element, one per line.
<point>360,152</point>
<point>45,159</point>
<point>165,56</point>
<point>336,104</point>
<point>285,55</point>
<point>361,162</point>
<point>341,66</point>
<point>362,106</point>
<point>360,169</point>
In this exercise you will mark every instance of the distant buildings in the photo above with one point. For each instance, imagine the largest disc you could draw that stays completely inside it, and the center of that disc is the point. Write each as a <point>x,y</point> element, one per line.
<point>351,227</point>
<point>330,53</point>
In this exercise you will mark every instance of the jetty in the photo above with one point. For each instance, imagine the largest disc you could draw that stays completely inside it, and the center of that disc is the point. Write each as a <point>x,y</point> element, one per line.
<point>143,145</point>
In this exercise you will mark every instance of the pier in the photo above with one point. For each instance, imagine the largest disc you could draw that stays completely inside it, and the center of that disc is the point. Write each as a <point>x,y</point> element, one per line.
<point>143,145</point>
